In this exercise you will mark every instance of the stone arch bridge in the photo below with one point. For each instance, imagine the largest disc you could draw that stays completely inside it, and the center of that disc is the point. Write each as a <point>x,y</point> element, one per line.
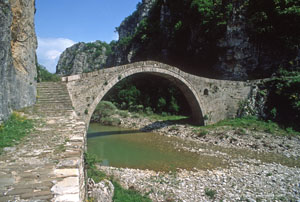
<point>210,100</point>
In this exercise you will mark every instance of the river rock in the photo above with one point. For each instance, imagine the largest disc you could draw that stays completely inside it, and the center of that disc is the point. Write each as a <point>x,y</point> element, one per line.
<point>102,191</point>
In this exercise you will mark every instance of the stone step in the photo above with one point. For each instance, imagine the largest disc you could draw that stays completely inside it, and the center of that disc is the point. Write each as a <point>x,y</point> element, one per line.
<point>60,107</point>
<point>56,91</point>
<point>54,103</point>
<point>50,83</point>
<point>54,100</point>
<point>53,108</point>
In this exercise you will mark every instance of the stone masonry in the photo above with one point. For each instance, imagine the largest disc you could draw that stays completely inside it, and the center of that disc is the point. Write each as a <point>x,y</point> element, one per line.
<point>48,164</point>
<point>210,100</point>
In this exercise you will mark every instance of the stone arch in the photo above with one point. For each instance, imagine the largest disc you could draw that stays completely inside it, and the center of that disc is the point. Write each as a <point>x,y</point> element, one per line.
<point>186,88</point>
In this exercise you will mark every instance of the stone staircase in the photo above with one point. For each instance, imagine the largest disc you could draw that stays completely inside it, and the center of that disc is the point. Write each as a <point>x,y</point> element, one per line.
<point>48,164</point>
<point>53,99</point>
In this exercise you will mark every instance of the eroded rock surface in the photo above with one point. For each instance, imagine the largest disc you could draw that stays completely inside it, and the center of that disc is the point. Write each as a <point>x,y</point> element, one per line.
<point>17,55</point>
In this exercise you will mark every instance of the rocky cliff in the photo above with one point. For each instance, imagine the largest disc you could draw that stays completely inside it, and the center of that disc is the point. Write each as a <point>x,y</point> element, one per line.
<point>237,40</point>
<point>222,39</point>
<point>17,55</point>
<point>83,57</point>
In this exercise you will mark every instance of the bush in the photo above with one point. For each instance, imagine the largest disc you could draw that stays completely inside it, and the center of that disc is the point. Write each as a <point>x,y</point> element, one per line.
<point>105,109</point>
<point>123,114</point>
<point>110,121</point>
<point>148,110</point>
<point>283,100</point>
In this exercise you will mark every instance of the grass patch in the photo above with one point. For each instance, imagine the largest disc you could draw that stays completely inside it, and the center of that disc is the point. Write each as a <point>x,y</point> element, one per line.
<point>13,130</point>
<point>252,123</point>
<point>60,149</point>
<point>130,195</point>
<point>210,193</point>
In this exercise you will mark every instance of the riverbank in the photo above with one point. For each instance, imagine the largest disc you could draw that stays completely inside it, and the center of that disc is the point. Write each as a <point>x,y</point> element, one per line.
<point>242,182</point>
<point>223,136</point>
<point>263,166</point>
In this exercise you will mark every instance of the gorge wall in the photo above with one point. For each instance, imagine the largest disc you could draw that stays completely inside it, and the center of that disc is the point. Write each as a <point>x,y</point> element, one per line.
<point>236,40</point>
<point>17,55</point>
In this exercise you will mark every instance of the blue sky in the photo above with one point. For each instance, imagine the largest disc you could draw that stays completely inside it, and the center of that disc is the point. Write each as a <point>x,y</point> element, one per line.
<point>62,23</point>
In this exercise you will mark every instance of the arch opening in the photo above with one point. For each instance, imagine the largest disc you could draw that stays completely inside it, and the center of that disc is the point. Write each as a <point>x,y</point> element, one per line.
<point>191,106</point>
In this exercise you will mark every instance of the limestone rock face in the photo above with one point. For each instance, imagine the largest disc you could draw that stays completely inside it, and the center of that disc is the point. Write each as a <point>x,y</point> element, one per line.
<point>123,55</point>
<point>7,73</point>
<point>129,25</point>
<point>235,54</point>
<point>17,55</point>
<point>243,57</point>
<point>82,57</point>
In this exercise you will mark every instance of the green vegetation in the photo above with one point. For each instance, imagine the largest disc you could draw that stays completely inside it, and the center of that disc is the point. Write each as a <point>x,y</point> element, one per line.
<point>164,117</point>
<point>44,76</point>
<point>120,194</point>
<point>251,123</point>
<point>104,112</point>
<point>191,32</point>
<point>148,94</point>
<point>131,195</point>
<point>90,166</point>
<point>283,99</point>
<point>13,130</point>
<point>210,193</point>
<point>274,22</point>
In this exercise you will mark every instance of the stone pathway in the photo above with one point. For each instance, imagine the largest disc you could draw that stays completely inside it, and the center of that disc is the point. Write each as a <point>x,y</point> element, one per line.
<point>48,164</point>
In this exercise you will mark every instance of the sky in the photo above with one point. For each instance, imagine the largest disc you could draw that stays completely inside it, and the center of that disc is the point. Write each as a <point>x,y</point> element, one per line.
<point>61,23</point>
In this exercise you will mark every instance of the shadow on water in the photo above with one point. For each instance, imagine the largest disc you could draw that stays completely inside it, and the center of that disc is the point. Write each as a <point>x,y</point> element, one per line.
<point>109,133</point>
<point>162,124</point>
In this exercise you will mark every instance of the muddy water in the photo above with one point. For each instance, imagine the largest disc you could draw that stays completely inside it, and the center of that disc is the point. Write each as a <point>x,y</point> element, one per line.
<point>125,148</point>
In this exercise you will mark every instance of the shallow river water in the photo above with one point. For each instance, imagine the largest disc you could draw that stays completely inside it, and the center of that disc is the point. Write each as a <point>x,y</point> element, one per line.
<point>119,147</point>
<point>125,148</point>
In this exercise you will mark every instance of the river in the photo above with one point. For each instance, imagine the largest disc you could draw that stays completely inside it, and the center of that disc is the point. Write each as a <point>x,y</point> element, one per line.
<point>125,148</point>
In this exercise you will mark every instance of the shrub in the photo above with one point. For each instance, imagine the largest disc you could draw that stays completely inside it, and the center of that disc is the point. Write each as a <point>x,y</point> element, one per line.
<point>105,108</point>
<point>148,110</point>
<point>90,165</point>
<point>110,121</point>
<point>123,114</point>
<point>283,100</point>
<point>202,133</point>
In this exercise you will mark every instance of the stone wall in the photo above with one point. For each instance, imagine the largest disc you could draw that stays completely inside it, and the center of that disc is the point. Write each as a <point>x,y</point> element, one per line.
<point>210,100</point>
<point>17,55</point>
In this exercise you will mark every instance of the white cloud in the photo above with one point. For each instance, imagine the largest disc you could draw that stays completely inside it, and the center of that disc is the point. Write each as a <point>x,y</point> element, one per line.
<point>115,36</point>
<point>49,50</point>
